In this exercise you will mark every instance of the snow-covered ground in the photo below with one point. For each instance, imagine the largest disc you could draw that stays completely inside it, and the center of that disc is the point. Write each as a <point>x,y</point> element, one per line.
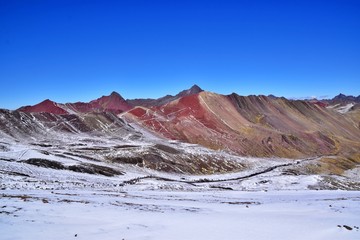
<point>342,109</point>
<point>45,214</point>
<point>44,203</point>
<point>65,192</point>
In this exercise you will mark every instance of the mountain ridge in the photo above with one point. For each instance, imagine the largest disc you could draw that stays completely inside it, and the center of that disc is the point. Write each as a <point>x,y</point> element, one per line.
<point>252,126</point>
<point>115,103</point>
<point>150,102</point>
<point>45,106</point>
<point>249,125</point>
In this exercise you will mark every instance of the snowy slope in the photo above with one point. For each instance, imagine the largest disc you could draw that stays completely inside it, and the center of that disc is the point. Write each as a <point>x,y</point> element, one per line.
<point>94,176</point>
<point>179,215</point>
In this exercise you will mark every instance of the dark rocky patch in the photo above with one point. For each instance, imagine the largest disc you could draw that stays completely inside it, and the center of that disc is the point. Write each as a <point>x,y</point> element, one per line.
<point>95,169</point>
<point>4,148</point>
<point>7,160</point>
<point>44,152</point>
<point>129,160</point>
<point>222,188</point>
<point>348,227</point>
<point>81,156</point>
<point>125,146</point>
<point>45,163</point>
<point>85,168</point>
<point>291,172</point>
<point>263,181</point>
<point>93,148</point>
<point>41,144</point>
<point>16,174</point>
<point>167,149</point>
<point>153,158</point>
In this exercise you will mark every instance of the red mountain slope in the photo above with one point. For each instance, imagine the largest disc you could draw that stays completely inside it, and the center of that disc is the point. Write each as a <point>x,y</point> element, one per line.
<point>113,103</point>
<point>253,125</point>
<point>195,89</point>
<point>45,106</point>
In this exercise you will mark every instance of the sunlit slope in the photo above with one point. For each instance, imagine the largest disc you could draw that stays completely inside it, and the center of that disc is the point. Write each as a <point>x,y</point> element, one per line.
<point>253,125</point>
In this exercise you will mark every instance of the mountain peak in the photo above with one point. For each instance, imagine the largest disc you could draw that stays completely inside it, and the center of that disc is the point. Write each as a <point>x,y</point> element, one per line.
<point>113,94</point>
<point>113,103</point>
<point>47,101</point>
<point>45,106</point>
<point>195,89</point>
<point>340,96</point>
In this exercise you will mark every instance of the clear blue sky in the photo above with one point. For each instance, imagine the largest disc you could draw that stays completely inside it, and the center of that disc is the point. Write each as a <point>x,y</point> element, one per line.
<point>79,50</point>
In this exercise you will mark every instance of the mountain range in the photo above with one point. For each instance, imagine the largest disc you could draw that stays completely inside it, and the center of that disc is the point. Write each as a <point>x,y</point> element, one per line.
<point>255,126</point>
<point>115,103</point>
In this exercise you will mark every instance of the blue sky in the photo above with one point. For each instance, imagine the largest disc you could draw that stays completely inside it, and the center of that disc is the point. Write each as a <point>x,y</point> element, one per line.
<point>80,50</point>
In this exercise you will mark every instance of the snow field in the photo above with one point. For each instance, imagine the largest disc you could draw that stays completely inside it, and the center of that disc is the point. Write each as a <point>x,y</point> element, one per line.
<point>40,214</point>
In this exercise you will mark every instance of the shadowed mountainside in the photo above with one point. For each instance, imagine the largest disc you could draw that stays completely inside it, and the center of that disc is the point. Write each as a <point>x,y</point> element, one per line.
<point>102,137</point>
<point>21,125</point>
<point>342,98</point>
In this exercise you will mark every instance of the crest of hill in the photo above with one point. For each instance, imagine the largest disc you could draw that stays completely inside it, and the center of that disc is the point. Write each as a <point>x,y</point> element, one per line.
<point>342,99</point>
<point>195,89</point>
<point>44,106</point>
<point>252,125</point>
<point>346,98</point>
<point>114,103</point>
